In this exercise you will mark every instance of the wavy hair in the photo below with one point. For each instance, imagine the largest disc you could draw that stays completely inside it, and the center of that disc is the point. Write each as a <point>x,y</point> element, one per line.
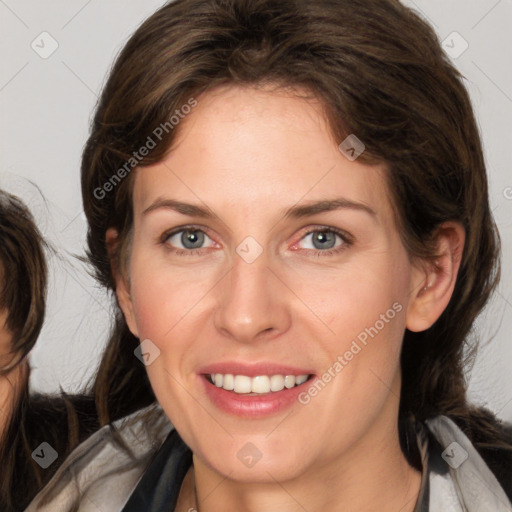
<point>22,277</point>
<point>380,72</point>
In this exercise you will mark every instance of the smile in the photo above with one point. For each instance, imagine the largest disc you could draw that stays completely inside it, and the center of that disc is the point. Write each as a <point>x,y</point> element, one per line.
<point>253,396</point>
<point>258,385</point>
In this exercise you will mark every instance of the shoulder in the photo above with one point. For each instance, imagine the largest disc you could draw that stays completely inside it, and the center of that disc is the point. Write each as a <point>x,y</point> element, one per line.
<point>103,470</point>
<point>499,458</point>
<point>480,467</point>
<point>492,438</point>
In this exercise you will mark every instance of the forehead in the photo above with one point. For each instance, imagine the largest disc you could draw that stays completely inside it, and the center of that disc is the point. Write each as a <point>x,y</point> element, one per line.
<point>258,147</point>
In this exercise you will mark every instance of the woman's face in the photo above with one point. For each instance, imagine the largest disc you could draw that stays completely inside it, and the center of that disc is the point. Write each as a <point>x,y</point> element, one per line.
<point>293,266</point>
<point>5,338</point>
<point>5,333</point>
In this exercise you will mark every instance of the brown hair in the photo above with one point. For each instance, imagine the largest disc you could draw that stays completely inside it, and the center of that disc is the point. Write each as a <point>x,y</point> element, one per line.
<point>381,74</point>
<point>61,420</point>
<point>22,276</point>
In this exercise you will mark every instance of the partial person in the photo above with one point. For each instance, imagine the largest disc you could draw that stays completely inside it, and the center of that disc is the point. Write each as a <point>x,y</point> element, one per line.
<point>29,419</point>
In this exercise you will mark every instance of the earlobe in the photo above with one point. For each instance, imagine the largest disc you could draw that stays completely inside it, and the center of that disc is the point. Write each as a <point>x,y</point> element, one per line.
<point>432,286</point>
<point>126,304</point>
<point>124,298</point>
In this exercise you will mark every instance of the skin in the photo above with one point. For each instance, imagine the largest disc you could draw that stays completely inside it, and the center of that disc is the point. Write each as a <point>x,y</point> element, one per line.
<point>11,382</point>
<point>248,155</point>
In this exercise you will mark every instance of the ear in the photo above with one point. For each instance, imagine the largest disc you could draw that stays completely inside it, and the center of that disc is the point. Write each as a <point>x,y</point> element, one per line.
<point>432,284</point>
<point>122,282</point>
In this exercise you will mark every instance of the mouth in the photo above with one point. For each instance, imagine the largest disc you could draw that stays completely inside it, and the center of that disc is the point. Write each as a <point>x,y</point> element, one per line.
<point>254,390</point>
<point>258,385</point>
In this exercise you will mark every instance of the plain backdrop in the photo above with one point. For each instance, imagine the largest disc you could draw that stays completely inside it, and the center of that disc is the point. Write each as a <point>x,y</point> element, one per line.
<point>46,102</point>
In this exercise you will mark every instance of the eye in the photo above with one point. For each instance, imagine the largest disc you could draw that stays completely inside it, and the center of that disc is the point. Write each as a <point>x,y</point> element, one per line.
<point>190,238</point>
<point>324,241</point>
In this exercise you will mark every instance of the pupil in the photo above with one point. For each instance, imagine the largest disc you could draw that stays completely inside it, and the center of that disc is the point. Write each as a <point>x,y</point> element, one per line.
<point>189,237</point>
<point>324,237</point>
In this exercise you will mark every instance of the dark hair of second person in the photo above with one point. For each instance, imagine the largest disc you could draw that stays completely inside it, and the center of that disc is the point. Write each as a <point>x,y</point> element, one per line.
<point>28,420</point>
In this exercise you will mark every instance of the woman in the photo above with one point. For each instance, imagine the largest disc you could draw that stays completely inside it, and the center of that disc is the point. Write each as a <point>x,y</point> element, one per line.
<point>274,369</point>
<point>23,277</point>
<point>21,299</point>
<point>27,420</point>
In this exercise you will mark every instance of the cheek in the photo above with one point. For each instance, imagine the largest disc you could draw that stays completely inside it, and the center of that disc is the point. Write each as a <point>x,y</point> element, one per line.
<point>376,313</point>
<point>5,341</point>
<point>352,298</point>
<point>364,309</point>
<point>5,347</point>
<point>165,299</point>
<point>158,304</point>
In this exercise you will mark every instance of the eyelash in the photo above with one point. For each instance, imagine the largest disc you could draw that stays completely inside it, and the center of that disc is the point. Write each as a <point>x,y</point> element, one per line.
<point>345,237</point>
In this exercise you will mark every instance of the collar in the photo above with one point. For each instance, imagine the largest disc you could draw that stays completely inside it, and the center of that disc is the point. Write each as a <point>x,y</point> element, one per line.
<point>159,487</point>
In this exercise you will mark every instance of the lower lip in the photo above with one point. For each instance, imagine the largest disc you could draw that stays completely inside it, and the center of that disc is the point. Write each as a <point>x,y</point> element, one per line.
<point>254,406</point>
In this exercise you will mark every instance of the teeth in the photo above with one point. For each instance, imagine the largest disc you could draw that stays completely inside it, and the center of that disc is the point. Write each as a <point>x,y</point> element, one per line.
<point>242,384</point>
<point>229,382</point>
<point>276,383</point>
<point>289,381</point>
<point>300,379</point>
<point>262,384</point>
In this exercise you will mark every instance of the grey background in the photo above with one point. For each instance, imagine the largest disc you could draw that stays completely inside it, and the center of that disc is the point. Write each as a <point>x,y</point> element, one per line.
<point>45,109</point>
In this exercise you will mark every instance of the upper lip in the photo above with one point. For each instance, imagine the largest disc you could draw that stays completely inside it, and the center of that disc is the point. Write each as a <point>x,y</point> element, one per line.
<point>253,369</point>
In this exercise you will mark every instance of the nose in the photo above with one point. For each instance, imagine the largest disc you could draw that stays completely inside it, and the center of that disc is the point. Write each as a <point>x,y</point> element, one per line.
<point>253,302</point>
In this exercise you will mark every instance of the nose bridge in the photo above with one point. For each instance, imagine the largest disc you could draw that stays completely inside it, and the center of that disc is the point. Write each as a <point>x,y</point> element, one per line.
<point>248,302</point>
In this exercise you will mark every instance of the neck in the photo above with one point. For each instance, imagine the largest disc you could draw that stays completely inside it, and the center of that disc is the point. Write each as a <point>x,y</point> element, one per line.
<point>383,480</point>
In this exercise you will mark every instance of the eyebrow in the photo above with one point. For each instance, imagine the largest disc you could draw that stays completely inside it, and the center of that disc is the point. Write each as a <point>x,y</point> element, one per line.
<point>184,208</point>
<point>327,205</point>
<point>296,212</point>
